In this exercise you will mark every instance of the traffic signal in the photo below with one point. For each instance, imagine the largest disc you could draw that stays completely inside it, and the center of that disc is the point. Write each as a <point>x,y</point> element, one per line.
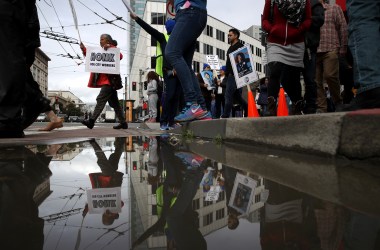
<point>134,86</point>
<point>134,165</point>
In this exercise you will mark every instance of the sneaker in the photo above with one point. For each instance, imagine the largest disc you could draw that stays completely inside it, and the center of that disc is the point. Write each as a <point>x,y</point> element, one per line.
<point>123,125</point>
<point>189,113</point>
<point>174,126</point>
<point>205,116</point>
<point>366,100</point>
<point>191,160</point>
<point>164,126</point>
<point>89,123</point>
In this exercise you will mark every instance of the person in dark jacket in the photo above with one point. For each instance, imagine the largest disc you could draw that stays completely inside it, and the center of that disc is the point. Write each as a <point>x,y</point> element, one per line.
<point>263,96</point>
<point>172,89</point>
<point>286,26</point>
<point>19,93</point>
<point>312,37</point>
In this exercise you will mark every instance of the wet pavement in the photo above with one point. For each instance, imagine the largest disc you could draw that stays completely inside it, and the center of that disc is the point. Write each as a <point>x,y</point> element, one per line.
<point>150,192</point>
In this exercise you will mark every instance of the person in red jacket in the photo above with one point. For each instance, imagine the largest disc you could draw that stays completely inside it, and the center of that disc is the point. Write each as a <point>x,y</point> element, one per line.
<point>286,21</point>
<point>108,92</point>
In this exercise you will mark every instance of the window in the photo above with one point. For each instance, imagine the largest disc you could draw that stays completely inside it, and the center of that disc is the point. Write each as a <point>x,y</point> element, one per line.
<point>221,54</point>
<point>220,35</point>
<point>258,52</point>
<point>222,196</point>
<point>154,210</point>
<point>197,46</point>
<point>206,203</point>
<point>243,42</point>
<point>196,66</point>
<point>196,204</point>
<point>208,49</point>
<point>257,198</point>
<point>209,30</point>
<point>207,219</point>
<point>258,67</point>
<point>220,214</point>
<point>252,49</point>
<point>158,18</point>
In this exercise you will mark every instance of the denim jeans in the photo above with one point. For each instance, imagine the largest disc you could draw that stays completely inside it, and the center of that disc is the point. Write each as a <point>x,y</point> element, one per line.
<point>171,99</point>
<point>232,93</point>
<point>180,50</point>
<point>308,72</point>
<point>364,37</point>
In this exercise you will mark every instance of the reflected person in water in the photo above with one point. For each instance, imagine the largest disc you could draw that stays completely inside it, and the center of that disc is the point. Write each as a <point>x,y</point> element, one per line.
<point>21,171</point>
<point>174,200</point>
<point>109,177</point>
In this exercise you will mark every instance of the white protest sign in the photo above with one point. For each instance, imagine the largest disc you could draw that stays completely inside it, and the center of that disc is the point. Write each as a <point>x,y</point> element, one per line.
<point>213,61</point>
<point>101,199</point>
<point>242,193</point>
<point>242,65</point>
<point>99,60</point>
<point>213,194</point>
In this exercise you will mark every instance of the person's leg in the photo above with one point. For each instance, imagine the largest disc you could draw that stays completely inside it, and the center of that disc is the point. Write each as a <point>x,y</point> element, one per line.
<point>275,69</point>
<point>241,101</point>
<point>218,107</point>
<point>229,96</point>
<point>321,93</point>
<point>101,100</point>
<point>292,86</point>
<point>12,67</point>
<point>331,75</point>
<point>113,101</point>
<point>189,25</point>
<point>364,35</point>
<point>310,96</point>
<point>153,99</point>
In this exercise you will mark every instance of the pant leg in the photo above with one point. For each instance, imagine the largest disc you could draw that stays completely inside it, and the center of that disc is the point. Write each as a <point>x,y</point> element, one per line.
<point>290,80</point>
<point>364,37</point>
<point>189,25</point>
<point>218,105</point>
<point>12,63</point>
<point>331,75</point>
<point>113,101</point>
<point>229,96</point>
<point>241,101</point>
<point>321,93</point>
<point>309,71</point>
<point>275,71</point>
<point>152,103</point>
<point>101,100</point>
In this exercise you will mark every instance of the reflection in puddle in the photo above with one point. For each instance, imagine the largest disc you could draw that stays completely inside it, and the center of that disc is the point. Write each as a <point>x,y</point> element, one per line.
<point>152,192</point>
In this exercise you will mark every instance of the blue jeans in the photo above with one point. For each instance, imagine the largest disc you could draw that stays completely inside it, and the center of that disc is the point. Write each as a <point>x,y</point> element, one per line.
<point>364,37</point>
<point>233,93</point>
<point>180,51</point>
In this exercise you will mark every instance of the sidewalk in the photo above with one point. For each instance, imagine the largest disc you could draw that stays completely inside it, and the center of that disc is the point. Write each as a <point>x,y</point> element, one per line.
<point>353,134</point>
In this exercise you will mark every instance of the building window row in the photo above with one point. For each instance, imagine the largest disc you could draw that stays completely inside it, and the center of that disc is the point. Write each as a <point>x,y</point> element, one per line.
<point>258,52</point>
<point>220,35</point>
<point>259,67</point>
<point>220,214</point>
<point>158,18</point>
<point>221,53</point>
<point>208,49</point>
<point>207,219</point>
<point>209,31</point>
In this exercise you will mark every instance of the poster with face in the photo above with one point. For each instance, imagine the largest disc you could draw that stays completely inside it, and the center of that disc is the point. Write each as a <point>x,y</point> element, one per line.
<point>242,193</point>
<point>242,66</point>
<point>208,78</point>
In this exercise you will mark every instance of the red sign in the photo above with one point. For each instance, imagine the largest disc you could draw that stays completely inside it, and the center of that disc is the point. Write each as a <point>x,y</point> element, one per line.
<point>170,10</point>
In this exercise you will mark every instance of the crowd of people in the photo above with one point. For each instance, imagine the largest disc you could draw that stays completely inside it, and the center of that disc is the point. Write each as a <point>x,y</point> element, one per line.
<point>306,36</point>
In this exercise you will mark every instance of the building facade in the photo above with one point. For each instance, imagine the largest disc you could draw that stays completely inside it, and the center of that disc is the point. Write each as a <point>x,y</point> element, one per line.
<point>213,41</point>
<point>39,70</point>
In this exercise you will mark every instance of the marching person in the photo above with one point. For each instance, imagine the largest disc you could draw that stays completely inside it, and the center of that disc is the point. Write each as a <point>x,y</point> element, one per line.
<point>108,91</point>
<point>152,79</point>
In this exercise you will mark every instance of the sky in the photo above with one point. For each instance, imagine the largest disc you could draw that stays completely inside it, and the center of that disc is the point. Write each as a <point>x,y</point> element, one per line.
<point>69,74</point>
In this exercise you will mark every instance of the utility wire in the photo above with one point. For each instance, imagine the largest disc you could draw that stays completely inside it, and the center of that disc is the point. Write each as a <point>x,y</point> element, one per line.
<point>117,17</point>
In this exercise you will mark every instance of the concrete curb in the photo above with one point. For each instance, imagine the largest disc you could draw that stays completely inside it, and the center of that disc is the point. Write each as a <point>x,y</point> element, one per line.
<point>353,134</point>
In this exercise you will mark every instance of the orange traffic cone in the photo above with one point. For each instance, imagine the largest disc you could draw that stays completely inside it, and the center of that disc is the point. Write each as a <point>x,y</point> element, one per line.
<point>282,107</point>
<point>252,110</point>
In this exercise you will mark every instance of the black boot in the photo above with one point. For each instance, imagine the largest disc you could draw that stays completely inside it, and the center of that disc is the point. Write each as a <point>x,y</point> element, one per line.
<point>33,109</point>
<point>122,125</point>
<point>297,108</point>
<point>89,123</point>
<point>272,107</point>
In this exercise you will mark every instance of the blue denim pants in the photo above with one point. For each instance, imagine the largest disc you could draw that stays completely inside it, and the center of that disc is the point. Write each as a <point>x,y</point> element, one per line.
<point>180,50</point>
<point>364,37</point>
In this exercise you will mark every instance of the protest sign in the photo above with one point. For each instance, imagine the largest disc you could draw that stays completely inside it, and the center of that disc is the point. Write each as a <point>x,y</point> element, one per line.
<point>242,65</point>
<point>213,61</point>
<point>213,194</point>
<point>99,60</point>
<point>207,77</point>
<point>101,199</point>
<point>242,193</point>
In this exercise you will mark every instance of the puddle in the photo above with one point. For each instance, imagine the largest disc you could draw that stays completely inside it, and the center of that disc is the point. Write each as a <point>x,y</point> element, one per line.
<point>157,192</point>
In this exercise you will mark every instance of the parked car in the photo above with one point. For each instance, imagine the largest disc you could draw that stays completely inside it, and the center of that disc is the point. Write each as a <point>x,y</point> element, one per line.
<point>73,118</point>
<point>64,116</point>
<point>42,118</point>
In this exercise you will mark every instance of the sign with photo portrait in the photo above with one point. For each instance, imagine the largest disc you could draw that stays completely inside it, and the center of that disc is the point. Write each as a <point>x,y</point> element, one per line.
<point>242,193</point>
<point>243,66</point>
<point>208,78</point>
